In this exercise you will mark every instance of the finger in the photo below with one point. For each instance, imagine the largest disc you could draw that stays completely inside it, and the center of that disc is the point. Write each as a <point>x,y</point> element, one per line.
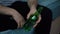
<point>22,23</point>
<point>37,21</point>
<point>28,15</point>
<point>35,25</point>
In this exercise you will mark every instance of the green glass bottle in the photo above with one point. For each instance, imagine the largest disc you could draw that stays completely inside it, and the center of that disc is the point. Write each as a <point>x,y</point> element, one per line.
<point>32,20</point>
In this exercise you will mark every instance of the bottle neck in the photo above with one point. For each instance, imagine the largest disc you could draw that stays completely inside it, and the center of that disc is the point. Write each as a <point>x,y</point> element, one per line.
<point>38,11</point>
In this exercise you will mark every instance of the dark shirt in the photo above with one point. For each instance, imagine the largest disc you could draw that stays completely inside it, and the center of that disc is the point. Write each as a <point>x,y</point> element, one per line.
<point>44,26</point>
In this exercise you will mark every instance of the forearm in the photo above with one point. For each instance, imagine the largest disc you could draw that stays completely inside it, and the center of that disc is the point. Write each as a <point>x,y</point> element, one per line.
<point>7,10</point>
<point>32,3</point>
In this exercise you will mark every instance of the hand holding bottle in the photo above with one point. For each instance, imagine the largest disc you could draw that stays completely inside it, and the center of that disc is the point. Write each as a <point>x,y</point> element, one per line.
<point>32,11</point>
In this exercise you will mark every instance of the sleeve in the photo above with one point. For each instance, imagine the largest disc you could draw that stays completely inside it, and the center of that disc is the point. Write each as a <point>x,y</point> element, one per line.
<point>44,26</point>
<point>7,22</point>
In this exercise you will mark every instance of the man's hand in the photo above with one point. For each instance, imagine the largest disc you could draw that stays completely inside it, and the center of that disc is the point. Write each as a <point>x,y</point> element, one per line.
<point>15,14</point>
<point>32,5</point>
<point>32,11</point>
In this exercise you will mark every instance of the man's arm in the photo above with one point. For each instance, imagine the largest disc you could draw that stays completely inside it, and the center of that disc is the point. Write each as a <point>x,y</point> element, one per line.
<point>16,15</point>
<point>6,10</point>
<point>32,3</point>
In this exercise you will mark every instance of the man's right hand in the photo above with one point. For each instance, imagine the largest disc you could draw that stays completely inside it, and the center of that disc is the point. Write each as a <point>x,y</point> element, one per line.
<point>15,14</point>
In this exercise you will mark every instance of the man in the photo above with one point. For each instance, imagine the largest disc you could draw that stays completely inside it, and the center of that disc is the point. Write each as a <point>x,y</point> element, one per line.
<point>22,11</point>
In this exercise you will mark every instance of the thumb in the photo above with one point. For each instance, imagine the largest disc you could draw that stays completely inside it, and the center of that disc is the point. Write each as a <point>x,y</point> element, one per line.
<point>28,15</point>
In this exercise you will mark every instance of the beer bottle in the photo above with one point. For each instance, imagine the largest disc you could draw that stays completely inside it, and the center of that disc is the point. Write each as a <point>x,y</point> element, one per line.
<point>32,20</point>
